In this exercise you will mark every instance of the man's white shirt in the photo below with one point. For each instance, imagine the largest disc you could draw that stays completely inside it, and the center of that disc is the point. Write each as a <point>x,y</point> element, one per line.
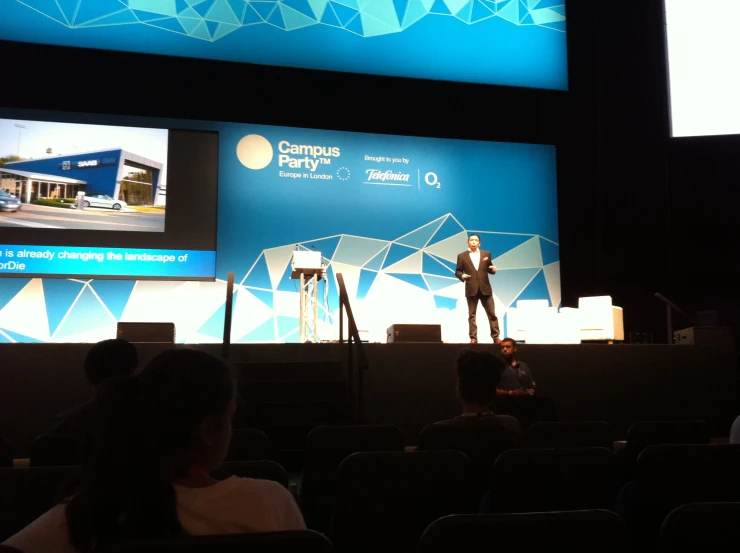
<point>475,258</point>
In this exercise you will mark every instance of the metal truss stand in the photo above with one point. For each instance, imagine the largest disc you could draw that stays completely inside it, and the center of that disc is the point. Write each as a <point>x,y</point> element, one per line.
<point>309,298</point>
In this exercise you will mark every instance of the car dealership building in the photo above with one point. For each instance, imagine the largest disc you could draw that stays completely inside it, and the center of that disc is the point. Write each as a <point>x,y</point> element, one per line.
<point>120,174</point>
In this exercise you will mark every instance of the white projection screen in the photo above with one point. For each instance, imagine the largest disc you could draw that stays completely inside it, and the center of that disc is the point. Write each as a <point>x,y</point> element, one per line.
<point>704,76</point>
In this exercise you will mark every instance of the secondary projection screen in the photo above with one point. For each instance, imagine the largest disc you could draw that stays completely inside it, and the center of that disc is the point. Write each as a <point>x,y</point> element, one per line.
<point>503,42</point>
<point>703,45</point>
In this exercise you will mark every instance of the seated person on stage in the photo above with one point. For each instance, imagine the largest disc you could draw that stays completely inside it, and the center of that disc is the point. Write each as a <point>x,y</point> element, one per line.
<point>478,374</point>
<point>516,380</point>
<point>106,359</point>
<point>157,437</point>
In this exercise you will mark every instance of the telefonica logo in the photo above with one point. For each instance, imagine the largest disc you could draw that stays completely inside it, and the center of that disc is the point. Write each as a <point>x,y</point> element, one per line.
<point>254,151</point>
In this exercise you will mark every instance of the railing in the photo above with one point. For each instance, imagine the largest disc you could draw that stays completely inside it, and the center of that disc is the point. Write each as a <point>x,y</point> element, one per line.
<point>355,346</point>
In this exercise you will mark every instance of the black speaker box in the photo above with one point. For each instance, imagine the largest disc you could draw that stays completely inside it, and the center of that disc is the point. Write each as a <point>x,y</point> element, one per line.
<point>162,333</point>
<point>414,333</point>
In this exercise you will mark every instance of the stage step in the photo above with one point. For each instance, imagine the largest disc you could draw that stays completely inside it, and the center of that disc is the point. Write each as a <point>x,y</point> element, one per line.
<point>293,391</point>
<point>312,371</point>
<point>306,412</point>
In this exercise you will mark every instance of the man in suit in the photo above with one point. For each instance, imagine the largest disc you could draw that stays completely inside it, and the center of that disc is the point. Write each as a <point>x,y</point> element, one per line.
<point>473,268</point>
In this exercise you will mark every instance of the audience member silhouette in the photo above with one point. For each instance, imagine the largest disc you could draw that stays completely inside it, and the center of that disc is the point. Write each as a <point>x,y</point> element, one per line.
<point>106,359</point>
<point>156,439</point>
<point>478,375</point>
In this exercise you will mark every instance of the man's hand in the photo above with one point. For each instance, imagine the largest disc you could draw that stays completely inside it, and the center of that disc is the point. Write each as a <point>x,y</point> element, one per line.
<point>492,269</point>
<point>519,393</point>
<point>465,276</point>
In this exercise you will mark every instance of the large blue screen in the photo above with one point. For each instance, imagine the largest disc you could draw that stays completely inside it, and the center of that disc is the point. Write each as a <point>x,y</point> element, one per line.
<point>390,213</point>
<point>504,42</point>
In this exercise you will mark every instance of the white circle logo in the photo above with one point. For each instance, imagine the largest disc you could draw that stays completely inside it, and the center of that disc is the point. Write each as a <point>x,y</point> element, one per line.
<point>254,151</point>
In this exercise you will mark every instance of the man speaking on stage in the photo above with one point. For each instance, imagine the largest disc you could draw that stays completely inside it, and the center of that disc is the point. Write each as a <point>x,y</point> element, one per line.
<point>473,268</point>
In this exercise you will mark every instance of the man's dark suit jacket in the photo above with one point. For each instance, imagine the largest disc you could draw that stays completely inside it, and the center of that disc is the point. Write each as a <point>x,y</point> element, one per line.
<point>479,279</point>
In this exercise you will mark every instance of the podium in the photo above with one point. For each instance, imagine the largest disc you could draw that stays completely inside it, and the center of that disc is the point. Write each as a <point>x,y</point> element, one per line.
<point>308,267</point>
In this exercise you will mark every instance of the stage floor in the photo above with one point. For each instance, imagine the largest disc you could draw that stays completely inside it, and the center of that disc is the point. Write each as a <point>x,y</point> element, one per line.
<point>412,385</point>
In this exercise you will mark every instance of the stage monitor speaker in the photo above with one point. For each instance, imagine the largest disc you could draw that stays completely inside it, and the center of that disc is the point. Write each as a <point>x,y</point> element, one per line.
<point>414,333</point>
<point>161,333</point>
<point>704,336</point>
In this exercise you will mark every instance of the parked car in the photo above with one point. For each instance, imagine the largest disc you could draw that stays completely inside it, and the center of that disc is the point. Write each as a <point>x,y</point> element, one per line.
<point>8,202</point>
<point>103,200</point>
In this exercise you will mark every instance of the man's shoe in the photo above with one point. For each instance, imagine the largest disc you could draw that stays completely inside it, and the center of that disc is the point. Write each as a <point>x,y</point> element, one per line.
<point>473,341</point>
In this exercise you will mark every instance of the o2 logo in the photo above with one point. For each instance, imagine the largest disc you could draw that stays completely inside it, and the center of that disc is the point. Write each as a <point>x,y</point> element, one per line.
<point>432,180</point>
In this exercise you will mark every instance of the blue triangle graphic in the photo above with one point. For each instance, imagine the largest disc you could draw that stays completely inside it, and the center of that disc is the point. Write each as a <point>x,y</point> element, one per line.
<point>251,16</point>
<point>327,246</point>
<point>97,9</point>
<point>420,237</point>
<point>450,264</point>
<point>537,289</point>
<point>181,6</point>
<point>146,17</point>
<point>264,297</point>
<point>301,6</point>
<point>437,283</point>
<point>355,26</point>
<point>441,8</point>
<point>366,281</point>
<point>527,19</point>
<point>449,228</point>
<point>49,8</point>
<point>286,325</point>
<point>330,17</point>
<point>550,252</point>
<point>344,14</point>
<point>121,18</point>
<point>401,7</point>
<point>214,326</point>
<point>9,288</point>
<point>263,333</point>
<point>59,295</point>
<point>169,24</point>
<point>415,279</point>
<point>397,253</point>
<point>87,314</point>
<point>445,303</point>
<point>265,9</point>
<point>203,7</point>
<point>20,338</point>
<point>430,266</point>
<point>212,27</point>
<point>259,275</point>
<point>479,12</point>
<point>288,284</point>
<point>114,294</point>
<point>4,339</point>
<point>499,244</point>
<point>237,6</point>
<point>508,284</point>
<point>276,18</point>
<point>68,7</point>
<point>376,263</point>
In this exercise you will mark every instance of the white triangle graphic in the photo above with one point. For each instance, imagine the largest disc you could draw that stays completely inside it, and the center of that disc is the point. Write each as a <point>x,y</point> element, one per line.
<point>449,248</point>
<point>552,277</point>
<point>408,265</point>
<point>525,256</point>
<point>249,313</point>
<point>26,313</point>
<point>277,261</point>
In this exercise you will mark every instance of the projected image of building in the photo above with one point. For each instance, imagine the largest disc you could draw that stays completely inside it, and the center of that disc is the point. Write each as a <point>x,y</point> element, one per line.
<point>117,173</point>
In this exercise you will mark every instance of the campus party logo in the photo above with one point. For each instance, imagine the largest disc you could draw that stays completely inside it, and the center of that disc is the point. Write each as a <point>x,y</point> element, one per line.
<point>256,152</point>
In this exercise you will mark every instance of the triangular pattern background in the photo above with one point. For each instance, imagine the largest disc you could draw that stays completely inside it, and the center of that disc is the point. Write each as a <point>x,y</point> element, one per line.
<point>211,20</point>
<point>407,280</point>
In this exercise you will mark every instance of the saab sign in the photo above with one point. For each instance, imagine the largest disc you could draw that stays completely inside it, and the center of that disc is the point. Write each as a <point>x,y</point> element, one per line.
<point>87,163</point>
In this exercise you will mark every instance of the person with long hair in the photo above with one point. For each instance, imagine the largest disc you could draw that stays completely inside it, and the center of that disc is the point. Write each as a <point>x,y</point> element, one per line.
<point>157,438</point>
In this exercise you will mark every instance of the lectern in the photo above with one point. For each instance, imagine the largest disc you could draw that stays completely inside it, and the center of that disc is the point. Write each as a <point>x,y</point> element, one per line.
<point>308,267</point>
